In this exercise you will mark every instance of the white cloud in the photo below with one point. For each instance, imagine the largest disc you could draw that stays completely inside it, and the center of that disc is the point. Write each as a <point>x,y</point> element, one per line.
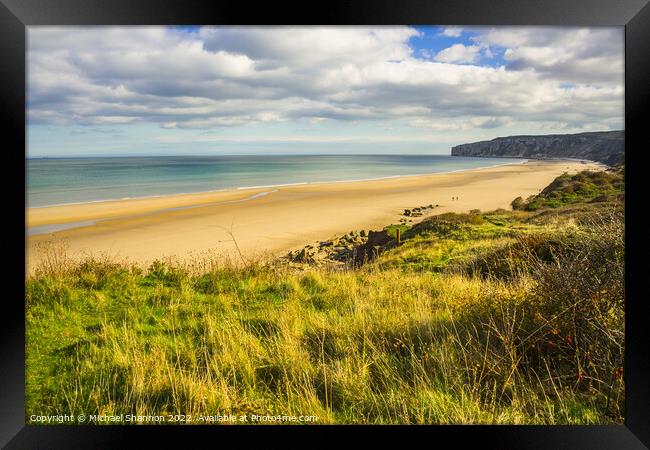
<point>302,47</point>
<point>232,76</point>
<point>461,123</point>
<point>458,53</point>
<point>586,55</point>
<point>452,31</point>
<point>425,53</point>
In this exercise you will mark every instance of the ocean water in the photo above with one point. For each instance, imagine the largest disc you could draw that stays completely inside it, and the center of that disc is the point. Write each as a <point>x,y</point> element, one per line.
<point>55,181</point>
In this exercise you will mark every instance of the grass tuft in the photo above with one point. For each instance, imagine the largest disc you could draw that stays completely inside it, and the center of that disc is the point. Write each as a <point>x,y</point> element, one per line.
<point>502,317</point>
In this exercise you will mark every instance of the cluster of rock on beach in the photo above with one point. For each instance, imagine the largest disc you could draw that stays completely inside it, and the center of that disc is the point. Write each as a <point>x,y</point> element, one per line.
<point>353,248</point>
<point>416,212</point>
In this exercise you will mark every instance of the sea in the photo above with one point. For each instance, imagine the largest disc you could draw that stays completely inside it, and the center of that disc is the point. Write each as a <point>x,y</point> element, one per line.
<point>59,181</point>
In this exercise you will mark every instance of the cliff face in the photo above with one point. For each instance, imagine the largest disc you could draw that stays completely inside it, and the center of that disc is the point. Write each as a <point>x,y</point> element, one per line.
<point>607,147</point>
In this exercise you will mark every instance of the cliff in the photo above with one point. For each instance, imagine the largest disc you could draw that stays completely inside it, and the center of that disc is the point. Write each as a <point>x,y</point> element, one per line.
<point>607,147</point>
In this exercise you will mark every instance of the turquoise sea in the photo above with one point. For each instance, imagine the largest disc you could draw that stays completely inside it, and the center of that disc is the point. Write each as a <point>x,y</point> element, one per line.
<point>54,181</point>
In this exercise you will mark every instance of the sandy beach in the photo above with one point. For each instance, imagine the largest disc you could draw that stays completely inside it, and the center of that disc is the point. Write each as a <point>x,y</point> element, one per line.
<point>271,221</point>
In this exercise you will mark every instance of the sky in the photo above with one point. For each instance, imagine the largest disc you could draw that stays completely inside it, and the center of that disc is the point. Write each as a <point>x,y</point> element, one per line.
<point>108,91</point>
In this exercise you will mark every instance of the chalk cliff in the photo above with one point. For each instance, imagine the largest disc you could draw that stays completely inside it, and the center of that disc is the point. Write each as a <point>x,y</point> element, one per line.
<point>607,147</point>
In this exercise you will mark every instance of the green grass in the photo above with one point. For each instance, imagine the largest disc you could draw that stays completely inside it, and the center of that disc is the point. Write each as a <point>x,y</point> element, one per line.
<point>392,229</point>
<point>585,186</point>
<point>505,317</point>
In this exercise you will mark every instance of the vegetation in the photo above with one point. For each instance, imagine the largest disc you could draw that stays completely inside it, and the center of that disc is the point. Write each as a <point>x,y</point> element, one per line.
<point>504,317</point>
<point>585,186</point>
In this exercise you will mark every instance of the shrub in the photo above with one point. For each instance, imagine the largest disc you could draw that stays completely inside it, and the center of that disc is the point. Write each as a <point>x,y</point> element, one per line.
<point>522,323</point>
<point>517,258</point>
<point>580,301</point>
<point>517,204</point>
<point>567,331</point>
<point>165,273</point>
<point>567,189</point>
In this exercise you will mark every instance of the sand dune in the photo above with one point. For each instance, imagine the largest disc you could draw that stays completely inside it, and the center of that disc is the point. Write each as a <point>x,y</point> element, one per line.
<point>274,220</point>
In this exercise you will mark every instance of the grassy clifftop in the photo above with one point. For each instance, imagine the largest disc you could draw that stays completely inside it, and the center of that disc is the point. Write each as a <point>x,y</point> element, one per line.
<point>585,186</point>
<point>486,317</point>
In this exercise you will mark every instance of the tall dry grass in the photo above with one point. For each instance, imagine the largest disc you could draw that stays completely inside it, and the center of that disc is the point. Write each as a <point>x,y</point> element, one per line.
<point>531,333</point>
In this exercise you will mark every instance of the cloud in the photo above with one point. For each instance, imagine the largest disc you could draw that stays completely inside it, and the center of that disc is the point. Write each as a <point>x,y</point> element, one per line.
<point>303,47</point>
<point>461,123</point>
<point>238,76</point>
<point>583,55</point>
<point>458,53</point>
<point>452,31</point>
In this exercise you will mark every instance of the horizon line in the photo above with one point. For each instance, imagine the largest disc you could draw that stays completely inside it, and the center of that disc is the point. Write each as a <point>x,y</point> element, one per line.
<point>234,154</point>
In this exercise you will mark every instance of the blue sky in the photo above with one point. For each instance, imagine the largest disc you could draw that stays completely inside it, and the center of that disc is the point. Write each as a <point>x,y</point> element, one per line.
<point>433,40</point>
<point>97,91</point>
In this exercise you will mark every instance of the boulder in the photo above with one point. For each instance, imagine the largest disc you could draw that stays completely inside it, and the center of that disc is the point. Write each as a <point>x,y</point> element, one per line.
<point>302,256</point>
<point>306,255</point>
<point>378,238</point>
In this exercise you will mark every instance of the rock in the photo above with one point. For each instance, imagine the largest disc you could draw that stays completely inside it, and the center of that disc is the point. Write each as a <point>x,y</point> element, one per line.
<point>378,238</point>
<point>362,233</point>
<point>603,146</point>
<point>307,255</point>
<point>369,251</point>
<point>302,256</point>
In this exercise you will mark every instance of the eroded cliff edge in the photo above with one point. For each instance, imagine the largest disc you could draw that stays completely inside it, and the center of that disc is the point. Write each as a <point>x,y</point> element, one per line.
<point>607,147</point>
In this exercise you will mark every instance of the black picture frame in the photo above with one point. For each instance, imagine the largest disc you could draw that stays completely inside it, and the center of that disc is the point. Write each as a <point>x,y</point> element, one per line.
<point>634,15</point>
